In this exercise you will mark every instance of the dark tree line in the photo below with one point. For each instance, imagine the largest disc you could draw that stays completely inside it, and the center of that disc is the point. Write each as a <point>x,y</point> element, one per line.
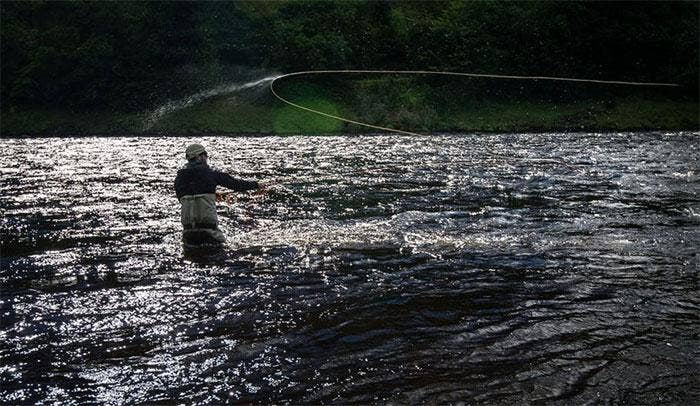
<point>130,55</point>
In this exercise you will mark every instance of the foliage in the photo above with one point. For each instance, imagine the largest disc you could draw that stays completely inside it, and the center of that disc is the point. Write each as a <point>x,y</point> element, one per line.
<point>130,56</point>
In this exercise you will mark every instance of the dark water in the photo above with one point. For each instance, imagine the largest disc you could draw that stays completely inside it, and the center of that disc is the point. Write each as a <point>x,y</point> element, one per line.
<point>553,268</point>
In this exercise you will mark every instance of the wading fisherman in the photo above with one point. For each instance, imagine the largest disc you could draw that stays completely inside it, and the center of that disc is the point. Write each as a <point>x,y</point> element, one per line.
<point>195,186</point>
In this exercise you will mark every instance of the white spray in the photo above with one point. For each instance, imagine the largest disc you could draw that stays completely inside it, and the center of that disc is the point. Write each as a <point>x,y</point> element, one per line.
<point>172,106</point>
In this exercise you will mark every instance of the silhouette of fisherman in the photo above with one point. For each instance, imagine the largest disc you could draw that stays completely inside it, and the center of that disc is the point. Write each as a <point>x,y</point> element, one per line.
<point>195,187</point>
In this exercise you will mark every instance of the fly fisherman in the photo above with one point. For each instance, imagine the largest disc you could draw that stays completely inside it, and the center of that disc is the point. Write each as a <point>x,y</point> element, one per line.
<point>195,186</point>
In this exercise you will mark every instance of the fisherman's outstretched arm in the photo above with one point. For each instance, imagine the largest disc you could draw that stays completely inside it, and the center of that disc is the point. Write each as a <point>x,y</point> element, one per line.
<point>239,185</point>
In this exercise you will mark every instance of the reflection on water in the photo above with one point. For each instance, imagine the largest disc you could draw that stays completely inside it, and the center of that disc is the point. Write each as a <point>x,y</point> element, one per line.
<point>484,268</point>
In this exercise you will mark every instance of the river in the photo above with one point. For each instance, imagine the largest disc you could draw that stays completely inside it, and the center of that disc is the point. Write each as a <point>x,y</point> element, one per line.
<point>498,268</point>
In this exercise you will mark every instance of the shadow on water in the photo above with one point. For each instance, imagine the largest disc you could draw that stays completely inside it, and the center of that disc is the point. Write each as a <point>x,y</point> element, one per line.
<point>215,255</point>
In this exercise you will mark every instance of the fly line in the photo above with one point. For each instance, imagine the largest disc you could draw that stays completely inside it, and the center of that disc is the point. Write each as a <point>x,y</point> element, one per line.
<point>443,73</point>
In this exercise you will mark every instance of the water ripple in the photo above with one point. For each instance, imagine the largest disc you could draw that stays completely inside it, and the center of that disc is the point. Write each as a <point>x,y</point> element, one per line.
<point>488,269</point>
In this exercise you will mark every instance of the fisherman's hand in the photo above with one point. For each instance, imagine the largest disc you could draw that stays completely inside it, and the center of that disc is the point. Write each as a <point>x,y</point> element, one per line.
<point>227,197</point>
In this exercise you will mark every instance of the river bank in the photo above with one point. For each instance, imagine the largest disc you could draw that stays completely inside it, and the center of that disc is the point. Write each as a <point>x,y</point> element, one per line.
<point>400,104</point>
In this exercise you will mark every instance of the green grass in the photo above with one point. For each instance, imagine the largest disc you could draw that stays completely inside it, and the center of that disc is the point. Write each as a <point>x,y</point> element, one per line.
<point>231,115</point>
<point>401,105</point>
<point>291,120</point>
<point>633,113</point>
<point>620,114</point>
<point>216,116</point>
<point>68,123</point>
<point>521,116</point>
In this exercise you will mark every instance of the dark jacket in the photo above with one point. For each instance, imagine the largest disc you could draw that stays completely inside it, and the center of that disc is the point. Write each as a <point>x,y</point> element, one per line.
<point>198,178</point>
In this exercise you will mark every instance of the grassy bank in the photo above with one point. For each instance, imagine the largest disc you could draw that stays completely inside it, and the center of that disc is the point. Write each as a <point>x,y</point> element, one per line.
<point>423,107</point>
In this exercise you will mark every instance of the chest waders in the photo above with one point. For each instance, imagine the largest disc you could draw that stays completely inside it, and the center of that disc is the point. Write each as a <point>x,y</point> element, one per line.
<point>200,222</point>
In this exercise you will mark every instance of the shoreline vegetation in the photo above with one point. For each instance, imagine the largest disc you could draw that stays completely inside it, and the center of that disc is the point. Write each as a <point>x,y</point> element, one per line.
<point>423,106</point>
<point>110,68</point>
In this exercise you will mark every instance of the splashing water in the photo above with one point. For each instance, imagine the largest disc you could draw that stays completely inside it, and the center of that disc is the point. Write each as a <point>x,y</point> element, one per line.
<point>156,115</point>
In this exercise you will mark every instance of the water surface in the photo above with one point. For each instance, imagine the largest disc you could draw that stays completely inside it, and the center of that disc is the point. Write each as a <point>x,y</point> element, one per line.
<point>521,268</point>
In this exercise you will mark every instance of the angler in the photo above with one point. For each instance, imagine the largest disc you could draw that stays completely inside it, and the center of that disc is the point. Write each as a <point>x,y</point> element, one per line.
<point>195,187</point>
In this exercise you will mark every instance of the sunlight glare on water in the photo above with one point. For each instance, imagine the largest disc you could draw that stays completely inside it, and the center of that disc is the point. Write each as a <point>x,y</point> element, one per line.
<point>501,268</point>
